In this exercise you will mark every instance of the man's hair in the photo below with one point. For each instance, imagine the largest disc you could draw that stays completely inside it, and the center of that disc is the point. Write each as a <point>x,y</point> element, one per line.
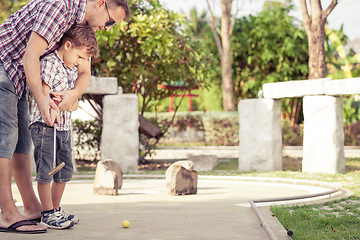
<point>124,4</point>
<point>81,35</point>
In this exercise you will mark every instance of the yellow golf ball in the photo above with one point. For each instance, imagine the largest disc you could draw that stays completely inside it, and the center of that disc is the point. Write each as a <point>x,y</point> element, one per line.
<point>125,223</point>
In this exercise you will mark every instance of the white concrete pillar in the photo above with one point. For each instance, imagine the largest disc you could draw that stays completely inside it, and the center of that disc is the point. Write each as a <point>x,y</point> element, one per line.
<point>120,134</point>
<point>260,135</point>
<point>323,135</point>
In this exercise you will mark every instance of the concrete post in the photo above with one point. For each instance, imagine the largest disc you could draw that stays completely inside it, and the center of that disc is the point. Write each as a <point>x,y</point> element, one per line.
<point>260,135</point>
<point>323,135</point>
<point>120,134</point>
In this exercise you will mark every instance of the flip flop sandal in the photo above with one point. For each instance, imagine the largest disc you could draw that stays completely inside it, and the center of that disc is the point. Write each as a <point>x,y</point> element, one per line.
<point>13,227</point>
<point>37,220</point>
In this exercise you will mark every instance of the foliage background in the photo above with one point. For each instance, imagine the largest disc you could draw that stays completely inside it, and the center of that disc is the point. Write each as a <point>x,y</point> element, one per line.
<point>160,46</point>
<point>268,48</point>
<point>152,49</point>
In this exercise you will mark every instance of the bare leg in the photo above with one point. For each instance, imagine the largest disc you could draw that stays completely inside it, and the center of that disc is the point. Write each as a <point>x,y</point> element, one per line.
<point>10,214</point>
<point>45,196</point>
<point>57,192</point>
<point>22,174</point>
<point>8,209</point>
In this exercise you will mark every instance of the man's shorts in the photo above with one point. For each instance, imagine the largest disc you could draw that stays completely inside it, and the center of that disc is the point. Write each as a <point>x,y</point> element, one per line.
<point>43,139</point>
<point>14,119</point>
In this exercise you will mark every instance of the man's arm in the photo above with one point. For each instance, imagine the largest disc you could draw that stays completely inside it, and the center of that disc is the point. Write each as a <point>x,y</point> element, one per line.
<point>81,84</point>
<point>31,60</point>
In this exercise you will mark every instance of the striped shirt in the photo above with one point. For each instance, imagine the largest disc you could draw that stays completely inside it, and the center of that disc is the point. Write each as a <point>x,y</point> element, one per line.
<point>58,77</point>
<point>49,18</point>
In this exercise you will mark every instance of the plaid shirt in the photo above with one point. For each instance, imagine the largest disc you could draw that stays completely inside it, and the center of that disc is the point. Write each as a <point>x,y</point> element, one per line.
<point>58,77</point>
<point>49,18</point>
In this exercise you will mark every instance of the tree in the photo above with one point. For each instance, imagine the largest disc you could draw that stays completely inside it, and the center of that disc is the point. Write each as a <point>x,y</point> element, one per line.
<point>197,24</point>
<point>269,47</point>
<point>150,50</point>
<point>340,64</point>
<point>224,47</point>
<point>315,29</point>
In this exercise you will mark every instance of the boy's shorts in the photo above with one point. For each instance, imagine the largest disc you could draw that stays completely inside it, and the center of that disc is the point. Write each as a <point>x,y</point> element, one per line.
<point>43,139</point>
<point>14,119</point>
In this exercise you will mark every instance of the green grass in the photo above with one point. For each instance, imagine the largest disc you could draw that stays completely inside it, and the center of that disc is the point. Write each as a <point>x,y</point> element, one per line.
<point>333,220</point>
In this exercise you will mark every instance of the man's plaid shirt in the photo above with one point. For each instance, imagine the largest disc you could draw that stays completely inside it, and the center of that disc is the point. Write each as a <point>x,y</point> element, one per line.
<point>58,77</point>
<point>49,18</point>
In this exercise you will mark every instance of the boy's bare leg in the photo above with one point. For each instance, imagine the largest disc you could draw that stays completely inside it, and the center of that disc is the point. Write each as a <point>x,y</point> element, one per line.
<point>44,190</point>
<point>57,190</point>
<point>10,214</point>
<point>22,174</point>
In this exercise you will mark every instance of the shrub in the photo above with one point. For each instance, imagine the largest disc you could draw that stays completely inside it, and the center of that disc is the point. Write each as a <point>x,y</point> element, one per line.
<point>222,129</point>
<point>86,137</point>
<point>352,134</point>
<point>215,129</point>
<point>207,128</point>
<point>291,135</point>
<point>186,127</point>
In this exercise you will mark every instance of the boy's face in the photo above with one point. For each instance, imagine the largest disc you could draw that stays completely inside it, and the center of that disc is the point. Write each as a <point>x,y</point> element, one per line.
<point>74,56</point>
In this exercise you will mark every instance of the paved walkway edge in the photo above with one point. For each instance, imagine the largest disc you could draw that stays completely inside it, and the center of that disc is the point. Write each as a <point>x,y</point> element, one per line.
<point>274,229</point>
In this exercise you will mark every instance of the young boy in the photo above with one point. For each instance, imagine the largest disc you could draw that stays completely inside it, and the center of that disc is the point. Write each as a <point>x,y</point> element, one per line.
<point>59,71</point>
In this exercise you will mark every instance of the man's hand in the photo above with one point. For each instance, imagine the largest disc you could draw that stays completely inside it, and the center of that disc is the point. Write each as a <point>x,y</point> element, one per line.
<point>67,99</point>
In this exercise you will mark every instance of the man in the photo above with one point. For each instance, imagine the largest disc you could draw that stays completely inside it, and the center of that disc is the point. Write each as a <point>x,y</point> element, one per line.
<point>30,33</point>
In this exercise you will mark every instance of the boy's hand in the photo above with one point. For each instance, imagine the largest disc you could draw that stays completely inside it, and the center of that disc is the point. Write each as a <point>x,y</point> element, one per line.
<point>46,105</point>
<point>56,98</point>
<point>54,115</point>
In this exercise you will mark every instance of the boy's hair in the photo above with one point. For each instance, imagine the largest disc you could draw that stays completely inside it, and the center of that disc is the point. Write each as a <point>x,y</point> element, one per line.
<point>81,35</point>
<point>121,3</point>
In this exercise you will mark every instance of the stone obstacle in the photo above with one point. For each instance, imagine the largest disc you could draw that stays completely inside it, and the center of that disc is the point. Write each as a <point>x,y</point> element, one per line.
<point>323,148</point>
<point>181,179</point>
<point>108,178</point>
<point>120,133</point>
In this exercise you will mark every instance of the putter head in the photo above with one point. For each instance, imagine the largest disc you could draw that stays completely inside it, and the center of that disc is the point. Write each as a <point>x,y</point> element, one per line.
<point>56,169</point>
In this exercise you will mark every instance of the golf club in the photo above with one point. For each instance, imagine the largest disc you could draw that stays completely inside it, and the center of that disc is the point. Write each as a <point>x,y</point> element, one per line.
<point>61,165</point>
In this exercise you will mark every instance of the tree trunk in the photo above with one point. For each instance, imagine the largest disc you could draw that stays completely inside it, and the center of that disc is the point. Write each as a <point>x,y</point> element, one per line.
<point>317,64</point>
<point>226,61</point>
<point>315,29</point>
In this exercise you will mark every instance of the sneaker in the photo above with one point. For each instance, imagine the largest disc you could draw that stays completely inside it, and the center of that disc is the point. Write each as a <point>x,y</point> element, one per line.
<point>68,216</point>
<point>55,220</point>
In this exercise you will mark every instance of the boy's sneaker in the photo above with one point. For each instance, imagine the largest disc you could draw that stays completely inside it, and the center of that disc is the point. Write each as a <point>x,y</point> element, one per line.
<point>55,220</point>
<point>68,216</point>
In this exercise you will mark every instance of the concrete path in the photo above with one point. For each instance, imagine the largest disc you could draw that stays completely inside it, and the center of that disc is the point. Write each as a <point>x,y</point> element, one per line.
<point>220,210</point>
